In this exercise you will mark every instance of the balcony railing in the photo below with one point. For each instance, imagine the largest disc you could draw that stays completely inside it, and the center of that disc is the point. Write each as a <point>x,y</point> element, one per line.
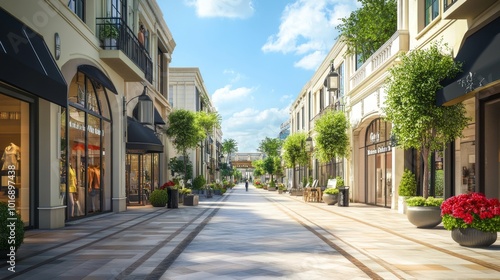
<point>116,35</point>
<point>398,42</point>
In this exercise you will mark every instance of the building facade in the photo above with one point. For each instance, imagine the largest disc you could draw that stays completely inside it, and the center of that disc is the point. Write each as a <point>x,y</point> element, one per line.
<point>375,165</point>
<point>187,91</point>
<point>76,64</point>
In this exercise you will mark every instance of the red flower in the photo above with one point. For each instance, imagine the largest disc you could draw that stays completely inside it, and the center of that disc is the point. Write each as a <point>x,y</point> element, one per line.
<point>167,184</point>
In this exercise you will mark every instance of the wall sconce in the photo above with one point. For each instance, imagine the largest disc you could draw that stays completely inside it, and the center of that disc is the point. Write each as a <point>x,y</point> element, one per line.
<point>309,144</point>
<point>332,80</point>
<point>145,108</point>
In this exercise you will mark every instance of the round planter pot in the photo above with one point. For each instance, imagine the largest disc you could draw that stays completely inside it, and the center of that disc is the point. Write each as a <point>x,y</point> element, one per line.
<point>424,216</point>
<point>471,237</point>
<point>330,199</point>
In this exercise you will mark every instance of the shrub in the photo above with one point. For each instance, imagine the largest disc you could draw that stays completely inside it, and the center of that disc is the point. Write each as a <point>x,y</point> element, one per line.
<point>331,191</point>
<point>199,182</point>
<point>340,182</point>
<point>422,201</point>
<point>5,231</point>
<point>159,198</point>
<point>408,184</point>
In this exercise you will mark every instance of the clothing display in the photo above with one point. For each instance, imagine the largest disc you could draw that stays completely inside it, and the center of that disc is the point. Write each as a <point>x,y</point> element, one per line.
<point>11,156</point>
<point>72,180</point>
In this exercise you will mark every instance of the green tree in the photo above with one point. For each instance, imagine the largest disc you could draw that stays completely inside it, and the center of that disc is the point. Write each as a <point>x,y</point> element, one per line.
<point>207,121</point>
<point>331,136</point>
<point>271,147</point>
<point>176,165</point>
<point>369,27</point>
<point>411,103</point>
<point>295,151</point>
<point>258,166</point>
<point>184,133</point>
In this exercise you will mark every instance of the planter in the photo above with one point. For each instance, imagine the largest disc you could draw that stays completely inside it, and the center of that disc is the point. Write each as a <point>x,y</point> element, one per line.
<point>191,200</point>
<point>471,237</point>
<point>173,198</point>
<point>330,199</point>
<point>297,192</point>
<point>110,44</point>
<point>217,192</point>
<point>424,216</point>
<point>280,191</point>
<point>271,189</point>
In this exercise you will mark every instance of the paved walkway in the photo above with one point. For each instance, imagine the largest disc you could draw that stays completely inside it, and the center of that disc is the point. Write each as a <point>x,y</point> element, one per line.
<point>250,235</point>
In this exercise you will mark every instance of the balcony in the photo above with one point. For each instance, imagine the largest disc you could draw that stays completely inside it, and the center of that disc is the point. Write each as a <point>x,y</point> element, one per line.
<point>465,9</point>
<point>122,51</point>
<point>386,53</point>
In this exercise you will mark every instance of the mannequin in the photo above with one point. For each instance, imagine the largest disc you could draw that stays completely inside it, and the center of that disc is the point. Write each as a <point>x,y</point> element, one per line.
<point>11,156</point>
<point>73,200</point>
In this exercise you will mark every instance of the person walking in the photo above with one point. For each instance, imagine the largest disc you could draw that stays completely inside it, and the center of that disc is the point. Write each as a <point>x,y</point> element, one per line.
<point>246,185</point>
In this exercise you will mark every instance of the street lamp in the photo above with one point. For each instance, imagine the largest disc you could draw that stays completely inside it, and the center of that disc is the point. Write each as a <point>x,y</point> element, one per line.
<point>332,80</point>
<point>145,108</point>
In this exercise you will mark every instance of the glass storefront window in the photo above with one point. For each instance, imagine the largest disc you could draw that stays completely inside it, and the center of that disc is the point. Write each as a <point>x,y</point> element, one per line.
<point>15,160</point>
<point>89,146</point>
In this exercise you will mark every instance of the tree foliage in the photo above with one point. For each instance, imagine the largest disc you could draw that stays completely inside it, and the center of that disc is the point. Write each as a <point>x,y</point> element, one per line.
<point>207,121</point>
<point>176,165</point>
<point>270,146</point>
<point>184,133</point>
<point>369,27</point>
<point>229,146</point>
<point>411,103</point>
<point>331,136</point>
<point>258,166</point>
<point>295,151</point>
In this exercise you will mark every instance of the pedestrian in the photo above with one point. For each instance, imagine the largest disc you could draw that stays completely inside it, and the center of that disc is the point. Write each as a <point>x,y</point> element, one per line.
<point>246,185</point>
<point>140,36</point>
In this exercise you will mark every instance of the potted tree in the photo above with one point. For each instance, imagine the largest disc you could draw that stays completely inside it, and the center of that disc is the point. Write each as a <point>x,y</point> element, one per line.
<point>407,188</point>
<point>295,153</point>
<point>424,212</point>
<point>331,195</point>
<point>109,34</point>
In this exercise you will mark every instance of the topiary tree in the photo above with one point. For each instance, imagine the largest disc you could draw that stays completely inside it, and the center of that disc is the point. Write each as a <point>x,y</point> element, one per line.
<point>411,104</point>
<point>184,133</point>
<point>408,184</point>
<point>331,137</point>
<point>295,152</point>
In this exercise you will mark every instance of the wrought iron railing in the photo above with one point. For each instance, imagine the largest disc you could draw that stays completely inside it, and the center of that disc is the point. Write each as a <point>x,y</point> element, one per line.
<point>115,34</point>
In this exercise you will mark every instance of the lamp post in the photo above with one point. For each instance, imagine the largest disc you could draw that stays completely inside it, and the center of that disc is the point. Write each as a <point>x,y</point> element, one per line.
<point>145,108</point>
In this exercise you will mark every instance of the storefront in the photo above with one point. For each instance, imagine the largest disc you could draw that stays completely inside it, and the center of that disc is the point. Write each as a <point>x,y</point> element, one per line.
<point>142,174</point>
<point>478,86</point>
<point>378,163</point>
<point>29,77</point>
<point>86,124</point>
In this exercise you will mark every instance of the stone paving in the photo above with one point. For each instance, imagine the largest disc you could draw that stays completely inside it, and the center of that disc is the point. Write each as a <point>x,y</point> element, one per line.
<point>250,235</point>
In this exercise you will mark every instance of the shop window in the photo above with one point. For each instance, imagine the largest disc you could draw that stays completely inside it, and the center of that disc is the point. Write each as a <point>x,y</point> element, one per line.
<point>15,158</point>
<point>88,186</point>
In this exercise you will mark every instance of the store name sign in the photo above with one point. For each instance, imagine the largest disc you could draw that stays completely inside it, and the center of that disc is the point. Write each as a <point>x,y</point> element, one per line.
<point>90,128</point>
<point>379,150</point>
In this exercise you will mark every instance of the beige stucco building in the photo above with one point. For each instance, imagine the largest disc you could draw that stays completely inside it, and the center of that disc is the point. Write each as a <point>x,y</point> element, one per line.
<point>67,104</point>
<point>375,165</point>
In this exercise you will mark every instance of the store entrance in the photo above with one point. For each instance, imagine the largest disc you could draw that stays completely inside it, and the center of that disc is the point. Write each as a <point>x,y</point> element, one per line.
<point>142,177</point>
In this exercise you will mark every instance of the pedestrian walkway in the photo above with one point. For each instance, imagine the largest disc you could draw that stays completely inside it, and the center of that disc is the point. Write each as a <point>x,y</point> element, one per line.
<point>250,235</point>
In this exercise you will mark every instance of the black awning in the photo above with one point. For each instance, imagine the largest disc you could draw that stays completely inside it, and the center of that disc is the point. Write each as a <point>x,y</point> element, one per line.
<point>140,139</point>
<point>97,75</point>
<point>158,120</point>
<point>26,62</point>
<point>480,57</point>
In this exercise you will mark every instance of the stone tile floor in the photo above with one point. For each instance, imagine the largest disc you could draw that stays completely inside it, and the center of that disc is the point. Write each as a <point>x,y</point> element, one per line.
<point>250,235</point>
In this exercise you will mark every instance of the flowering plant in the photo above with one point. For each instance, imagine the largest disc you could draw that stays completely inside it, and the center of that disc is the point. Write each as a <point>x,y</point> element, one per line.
<point>471,210</point>
<point>167,185</point>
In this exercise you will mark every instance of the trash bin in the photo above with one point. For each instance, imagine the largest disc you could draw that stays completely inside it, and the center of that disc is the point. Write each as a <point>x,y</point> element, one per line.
<point>344,196</point>
<point>173,198</point>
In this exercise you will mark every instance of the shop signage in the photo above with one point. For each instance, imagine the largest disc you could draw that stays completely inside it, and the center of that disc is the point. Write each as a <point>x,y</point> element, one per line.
<point>90,128</point>
<point>378,150</point>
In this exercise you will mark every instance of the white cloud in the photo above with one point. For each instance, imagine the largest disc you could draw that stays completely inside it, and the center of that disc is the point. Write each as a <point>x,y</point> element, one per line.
<point>228,100</point>
<point>223,8</point>
<point>249,126</point>
<point>311,61</point>
<point>307,29</point>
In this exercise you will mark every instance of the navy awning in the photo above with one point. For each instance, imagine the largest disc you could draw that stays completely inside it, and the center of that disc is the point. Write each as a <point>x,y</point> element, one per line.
<point>26,62</point>
<point>140,139</point>
<point>98,76</point>
<point>480,57</point>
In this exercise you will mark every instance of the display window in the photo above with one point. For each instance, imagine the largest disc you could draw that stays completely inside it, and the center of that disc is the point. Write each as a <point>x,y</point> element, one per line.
<point>88,186</point>
<point>15,159</point>
<point>378,163</point>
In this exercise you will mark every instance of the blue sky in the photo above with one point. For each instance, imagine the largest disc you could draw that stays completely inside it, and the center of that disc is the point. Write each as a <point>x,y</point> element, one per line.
<point>255,56</point>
